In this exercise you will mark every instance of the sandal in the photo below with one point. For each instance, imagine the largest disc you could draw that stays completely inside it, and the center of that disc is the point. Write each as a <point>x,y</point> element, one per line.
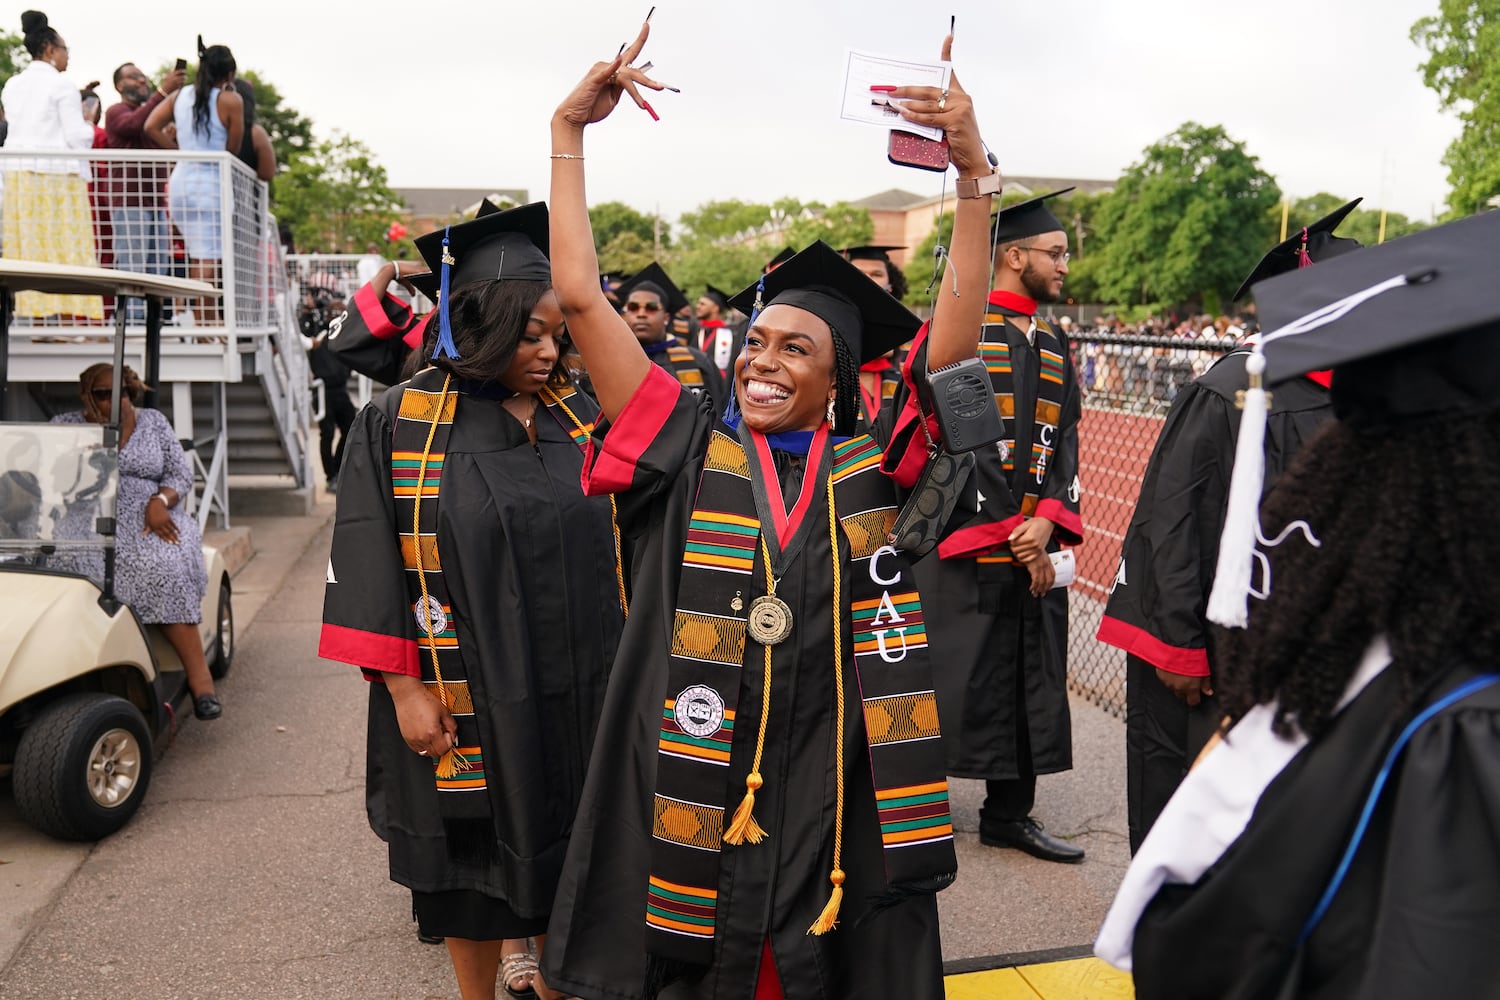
<point>516,966</point>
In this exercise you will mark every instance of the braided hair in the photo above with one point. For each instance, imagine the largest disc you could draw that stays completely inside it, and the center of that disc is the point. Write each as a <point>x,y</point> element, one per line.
<point>846,408</point>
<point>1408,550</point>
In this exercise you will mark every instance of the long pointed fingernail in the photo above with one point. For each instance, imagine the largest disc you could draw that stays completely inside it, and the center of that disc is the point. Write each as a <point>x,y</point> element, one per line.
<point>649,13</point>
<point>651,111</point>
<point>881,89</point>
<point>622,49</point>
<point>668,86</point>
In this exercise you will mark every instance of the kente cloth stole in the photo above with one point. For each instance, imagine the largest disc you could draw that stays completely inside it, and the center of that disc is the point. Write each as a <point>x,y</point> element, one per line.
<point>426,410</point>
<point>1049,397</point>
<point>881,618</point>
<point>679,361</point>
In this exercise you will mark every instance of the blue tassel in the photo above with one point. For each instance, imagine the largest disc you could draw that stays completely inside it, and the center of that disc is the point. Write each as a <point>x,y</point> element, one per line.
<point>732,411</point>
<point>445,348</point>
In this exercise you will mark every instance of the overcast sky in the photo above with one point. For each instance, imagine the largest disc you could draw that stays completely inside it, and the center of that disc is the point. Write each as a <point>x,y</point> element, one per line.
<point>459,92</point>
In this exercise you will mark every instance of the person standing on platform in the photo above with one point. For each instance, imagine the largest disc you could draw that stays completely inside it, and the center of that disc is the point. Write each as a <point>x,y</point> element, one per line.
<point>1000,629</point>
<point>648,301</point>
<point>1157,610</point>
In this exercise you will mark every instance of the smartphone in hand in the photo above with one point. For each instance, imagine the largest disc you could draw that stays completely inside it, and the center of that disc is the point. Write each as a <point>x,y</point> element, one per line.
<point>906,149</point>
<point>181,64</point>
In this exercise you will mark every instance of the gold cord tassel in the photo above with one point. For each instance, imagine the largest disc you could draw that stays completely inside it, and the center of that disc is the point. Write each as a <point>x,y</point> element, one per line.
<point>614,512</point>
<point>829,918</point>
<point>742,827</point>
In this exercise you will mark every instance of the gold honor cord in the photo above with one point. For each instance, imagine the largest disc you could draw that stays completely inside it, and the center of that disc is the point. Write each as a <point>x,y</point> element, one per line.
<point>614,520</point>
<point>743,826</point>
<point>452,762</point>
<point>829,918</point>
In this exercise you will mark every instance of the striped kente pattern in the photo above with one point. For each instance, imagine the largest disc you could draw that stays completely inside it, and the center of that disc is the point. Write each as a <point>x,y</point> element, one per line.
<point>404,468</point>
<point>685,367</point>
<point>855,456</point>
<point>690,824</point>
<point>875,629</point>
<point>1052,366</point>
<point>712,749</point>
<point>714,639</point>
<point>902,718</point>
<point>996,358</point>
<point>915,814</point>
<point>681,909</point>
<point>468,780</point>
<point>722,542</point>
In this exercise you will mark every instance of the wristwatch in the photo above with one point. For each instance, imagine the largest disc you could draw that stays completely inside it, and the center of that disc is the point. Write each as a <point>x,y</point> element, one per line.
<point>977,187</point>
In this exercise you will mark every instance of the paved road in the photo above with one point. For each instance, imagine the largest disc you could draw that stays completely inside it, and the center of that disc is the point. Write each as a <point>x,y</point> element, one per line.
<point>250,872</point>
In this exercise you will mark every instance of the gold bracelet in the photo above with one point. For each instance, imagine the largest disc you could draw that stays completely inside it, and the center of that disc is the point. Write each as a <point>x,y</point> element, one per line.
<point>565,156</point>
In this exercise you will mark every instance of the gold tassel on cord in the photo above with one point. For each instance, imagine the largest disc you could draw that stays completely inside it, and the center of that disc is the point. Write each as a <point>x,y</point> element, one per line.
<point>743,827</point>
<point>450,764</point>
<point>829,918</point>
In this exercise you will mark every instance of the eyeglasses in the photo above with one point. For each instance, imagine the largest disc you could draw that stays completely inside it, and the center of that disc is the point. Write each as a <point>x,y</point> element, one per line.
<point>101,394</point>
<point>1058,256</point>
<point>634,307</point>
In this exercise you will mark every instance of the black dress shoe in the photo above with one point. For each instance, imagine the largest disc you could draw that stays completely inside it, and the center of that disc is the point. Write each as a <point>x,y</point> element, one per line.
<point>207,706</point>
<point>429,938</point>
<point>1027,835</point>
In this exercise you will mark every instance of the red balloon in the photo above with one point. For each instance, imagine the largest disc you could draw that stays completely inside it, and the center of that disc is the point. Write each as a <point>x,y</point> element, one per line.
<point>396,232</point>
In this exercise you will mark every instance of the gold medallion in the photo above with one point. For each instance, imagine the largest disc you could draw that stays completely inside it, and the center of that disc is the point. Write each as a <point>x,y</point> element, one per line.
<point>770,620</point>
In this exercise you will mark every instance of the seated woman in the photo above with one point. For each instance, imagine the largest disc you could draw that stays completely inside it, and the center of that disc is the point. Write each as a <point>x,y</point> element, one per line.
<point>766,803</point>
<point>474,582</point>
<point>158,549</point>
<point>1342,840</point>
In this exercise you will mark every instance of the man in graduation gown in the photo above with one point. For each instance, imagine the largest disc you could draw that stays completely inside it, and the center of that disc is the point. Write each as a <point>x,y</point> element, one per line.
<point>718,341</point>
<point>1341,841</point>
<point>376,334</point>
<point>648,301</point>
<point>1000,630</point>
<point>880,376</point>
<point>1157,605</point>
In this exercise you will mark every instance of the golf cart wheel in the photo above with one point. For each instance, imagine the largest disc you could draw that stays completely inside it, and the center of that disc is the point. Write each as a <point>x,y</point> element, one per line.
<point>223,656</point>
<point>82,766</point>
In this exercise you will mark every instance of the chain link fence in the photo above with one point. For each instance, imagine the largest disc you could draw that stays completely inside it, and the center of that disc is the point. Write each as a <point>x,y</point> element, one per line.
<point>1128,384</point>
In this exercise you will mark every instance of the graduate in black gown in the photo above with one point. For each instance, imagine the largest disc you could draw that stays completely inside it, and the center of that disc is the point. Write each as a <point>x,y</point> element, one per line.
<point>1157,610</point>
<point>483,594</point>
<point>648,301</point>
<point>879,377</point>
<point>1342,841</point>
<point>766,813</point>
<point>1002,630</point>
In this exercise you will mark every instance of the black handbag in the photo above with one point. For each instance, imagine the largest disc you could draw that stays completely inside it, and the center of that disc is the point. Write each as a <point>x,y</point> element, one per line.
<point>927,510</point>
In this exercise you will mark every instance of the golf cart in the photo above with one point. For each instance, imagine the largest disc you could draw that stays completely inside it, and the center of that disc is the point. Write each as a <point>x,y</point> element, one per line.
<point>87,692</point>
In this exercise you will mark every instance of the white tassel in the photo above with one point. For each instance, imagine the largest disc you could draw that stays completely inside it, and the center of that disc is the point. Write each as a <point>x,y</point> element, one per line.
<point>1229,603</point>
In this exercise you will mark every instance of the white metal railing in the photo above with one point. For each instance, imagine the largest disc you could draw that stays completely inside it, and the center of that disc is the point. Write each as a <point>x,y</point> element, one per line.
<point>203,215</point>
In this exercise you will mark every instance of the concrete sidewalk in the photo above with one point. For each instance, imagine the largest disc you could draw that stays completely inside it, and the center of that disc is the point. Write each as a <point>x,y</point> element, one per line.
<point>251,870</point>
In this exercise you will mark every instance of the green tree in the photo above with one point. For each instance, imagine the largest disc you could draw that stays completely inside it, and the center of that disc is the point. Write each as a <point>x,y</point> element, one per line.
<point>1363,223</point>
<point>919,269</point>
<point>611,218</point>
<point>1463,66</point>
<point>336,197</point>
<point>839,225</point>
<point>728,268</point>
<point>721,220</point>
<point>13,54</point>
<point>1186,223</point>
<point>625,253</point>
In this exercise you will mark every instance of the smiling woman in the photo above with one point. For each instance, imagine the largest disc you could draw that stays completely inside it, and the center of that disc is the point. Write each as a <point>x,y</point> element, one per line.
<point>483,592</point>
<point>772,787</point>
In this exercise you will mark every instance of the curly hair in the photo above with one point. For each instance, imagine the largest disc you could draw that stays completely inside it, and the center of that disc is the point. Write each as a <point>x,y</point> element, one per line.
<point>1409,550</point>
<point>132,387</point>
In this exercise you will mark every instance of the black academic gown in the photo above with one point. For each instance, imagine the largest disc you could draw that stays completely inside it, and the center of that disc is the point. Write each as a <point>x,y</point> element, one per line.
<point>1157,605</point>
<point>999,655</point>
<point>596,945</point>
<point>1418,915</point>
<point>530,566</point>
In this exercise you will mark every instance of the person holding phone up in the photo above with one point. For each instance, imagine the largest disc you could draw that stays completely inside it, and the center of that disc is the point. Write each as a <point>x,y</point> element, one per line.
<point>765,812</point>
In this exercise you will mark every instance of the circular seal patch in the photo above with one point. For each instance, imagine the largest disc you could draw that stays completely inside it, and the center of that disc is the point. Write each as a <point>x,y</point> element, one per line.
<point>699,711</point>
<point>431,619</point>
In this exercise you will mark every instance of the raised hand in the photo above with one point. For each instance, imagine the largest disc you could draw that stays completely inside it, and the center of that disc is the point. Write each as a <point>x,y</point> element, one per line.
<point>597,94</point>
<point>953,112</point>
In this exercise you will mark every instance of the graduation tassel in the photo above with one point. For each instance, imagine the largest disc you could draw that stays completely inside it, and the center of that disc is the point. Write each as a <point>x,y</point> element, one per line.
<point>742,827</point>
<point>1229,602</point>
<point>829,918</point>
<point>445,348</point>
<point>1303,260</point>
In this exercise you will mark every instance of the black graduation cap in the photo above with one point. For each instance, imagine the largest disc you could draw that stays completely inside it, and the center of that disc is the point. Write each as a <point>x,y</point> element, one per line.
<point>720,299</point>
<point>821,281</point>
<point>880,253</point>
<point>508,244</point>
<point>1411,328</point>
<point>1320,244</point>
<point>427,282</point>
<point>1428,343</point>
<point>653,278</point>
<point>1026,218</point>
<point>786,254</point>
